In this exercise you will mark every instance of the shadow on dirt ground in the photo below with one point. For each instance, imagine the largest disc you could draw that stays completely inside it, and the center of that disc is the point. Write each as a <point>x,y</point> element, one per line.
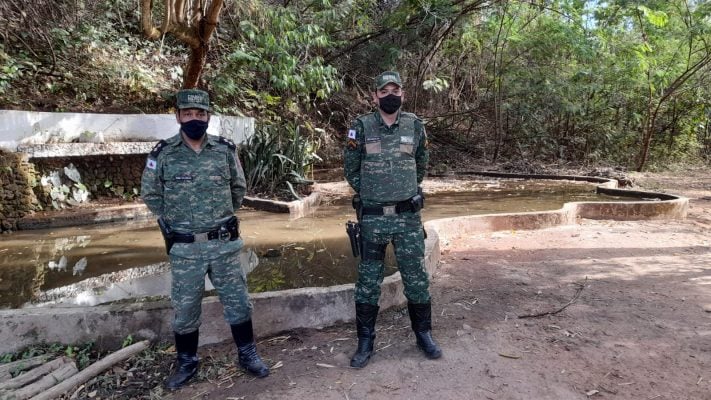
<point>603,309</point>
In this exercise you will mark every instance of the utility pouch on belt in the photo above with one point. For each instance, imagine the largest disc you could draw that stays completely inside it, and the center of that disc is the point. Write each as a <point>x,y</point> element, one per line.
<point>353,231</point>
<point>232,226</point>
<point>168,234</point>
<point>417,202</point>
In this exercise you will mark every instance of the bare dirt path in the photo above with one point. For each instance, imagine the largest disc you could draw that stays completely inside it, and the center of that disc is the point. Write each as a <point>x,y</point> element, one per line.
<point>639,328</point>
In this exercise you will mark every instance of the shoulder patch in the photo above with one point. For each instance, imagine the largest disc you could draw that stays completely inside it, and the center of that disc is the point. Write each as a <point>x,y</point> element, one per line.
<point>227,142</point>
<point>157,148</point>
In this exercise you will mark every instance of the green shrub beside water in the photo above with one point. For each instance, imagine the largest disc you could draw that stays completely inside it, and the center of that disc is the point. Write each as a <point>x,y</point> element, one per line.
<point>278,158</point>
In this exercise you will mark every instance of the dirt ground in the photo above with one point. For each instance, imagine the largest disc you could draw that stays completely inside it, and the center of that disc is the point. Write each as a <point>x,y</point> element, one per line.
<point>626,315</point>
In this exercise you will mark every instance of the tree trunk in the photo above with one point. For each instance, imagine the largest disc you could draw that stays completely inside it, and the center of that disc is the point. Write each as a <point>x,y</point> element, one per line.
<point>196,62</point>
<point>498,83</point>
<point>647,128</point>
<point>646,141</point>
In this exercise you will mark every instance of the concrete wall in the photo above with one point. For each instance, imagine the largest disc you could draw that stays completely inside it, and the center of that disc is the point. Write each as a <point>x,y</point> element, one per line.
<point>105,148</point>
<point>17,176</point>
<point>21,192</point>
<point>28,128</point>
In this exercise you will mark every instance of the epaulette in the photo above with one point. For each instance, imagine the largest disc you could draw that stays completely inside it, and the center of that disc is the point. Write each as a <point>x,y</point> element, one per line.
<point>227,142</point>
<point>411,115</point>
<point>157,148</point>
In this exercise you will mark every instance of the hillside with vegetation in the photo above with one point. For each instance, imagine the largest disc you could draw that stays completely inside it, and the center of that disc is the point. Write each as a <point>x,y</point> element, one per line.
<point>562,82</point>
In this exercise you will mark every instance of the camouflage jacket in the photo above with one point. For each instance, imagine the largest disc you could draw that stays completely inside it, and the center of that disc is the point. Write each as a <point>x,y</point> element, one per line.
<point>385,164</point>
<point>192,191</point>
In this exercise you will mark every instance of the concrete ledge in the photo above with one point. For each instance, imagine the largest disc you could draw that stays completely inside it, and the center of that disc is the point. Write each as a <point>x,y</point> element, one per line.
<point>297,308</point>
<point>26,128</point>
<point>603,182</point>
<point>77,217</point>
<point>296,209</point>
<point>85,149</point>
<point>451,228</point>
<point>138,211</point>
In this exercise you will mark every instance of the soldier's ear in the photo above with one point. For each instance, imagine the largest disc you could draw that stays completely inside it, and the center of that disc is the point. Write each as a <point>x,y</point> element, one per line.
<point>177,116</point>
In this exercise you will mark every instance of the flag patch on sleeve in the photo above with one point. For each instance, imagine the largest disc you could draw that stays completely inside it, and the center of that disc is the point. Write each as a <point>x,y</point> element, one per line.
<point>151,163</point>
<point>351,134</point>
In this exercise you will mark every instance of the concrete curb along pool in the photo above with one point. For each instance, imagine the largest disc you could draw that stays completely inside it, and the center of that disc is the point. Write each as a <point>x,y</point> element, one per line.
<point>138,211</point>
<point>308,307</point>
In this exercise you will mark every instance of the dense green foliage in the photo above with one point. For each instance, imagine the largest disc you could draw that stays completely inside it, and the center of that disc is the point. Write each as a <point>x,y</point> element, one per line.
<point>278,158</point>
<point>568,81</point>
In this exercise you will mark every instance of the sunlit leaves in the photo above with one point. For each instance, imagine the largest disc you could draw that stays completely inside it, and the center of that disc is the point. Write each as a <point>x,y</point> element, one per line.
<point>435,84</point>
<point>656,18</point>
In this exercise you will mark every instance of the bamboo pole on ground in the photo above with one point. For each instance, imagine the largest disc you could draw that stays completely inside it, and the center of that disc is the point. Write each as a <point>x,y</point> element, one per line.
<point>47,381</point>
<point>91,371</point>
<point>33,375</point>
<point>6,370</point>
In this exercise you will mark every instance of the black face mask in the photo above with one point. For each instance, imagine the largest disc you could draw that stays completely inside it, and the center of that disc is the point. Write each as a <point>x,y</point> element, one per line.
<point>390,103</point>
<point>194,129</point>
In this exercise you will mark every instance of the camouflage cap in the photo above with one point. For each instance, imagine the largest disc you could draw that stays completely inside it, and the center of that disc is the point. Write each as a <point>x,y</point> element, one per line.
<point>387,77</point>
<point>193,98</point>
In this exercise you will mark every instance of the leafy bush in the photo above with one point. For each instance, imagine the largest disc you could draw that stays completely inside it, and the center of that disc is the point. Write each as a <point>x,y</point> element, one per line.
<point>277,158</point>
<point>276,62</point>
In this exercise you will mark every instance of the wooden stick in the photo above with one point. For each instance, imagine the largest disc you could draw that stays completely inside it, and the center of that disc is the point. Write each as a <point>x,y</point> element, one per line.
<point>33,375</point>
<point>581,286</point>
<point>91,371</point>
<point>46,382</point>
<point>20,365</point>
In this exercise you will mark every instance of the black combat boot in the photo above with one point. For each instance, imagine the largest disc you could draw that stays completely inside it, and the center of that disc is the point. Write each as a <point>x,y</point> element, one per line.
<point>421,318</point>
<point>187,360</point>
<point>366,315</point>
<point>247,350</point>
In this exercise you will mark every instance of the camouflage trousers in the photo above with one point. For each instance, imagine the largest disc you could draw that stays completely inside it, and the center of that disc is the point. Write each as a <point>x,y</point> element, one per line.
<point>405,232</point>
<point>190,262</point>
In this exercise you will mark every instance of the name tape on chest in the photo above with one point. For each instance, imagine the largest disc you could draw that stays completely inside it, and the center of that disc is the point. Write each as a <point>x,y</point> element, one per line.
<point>183,177</point>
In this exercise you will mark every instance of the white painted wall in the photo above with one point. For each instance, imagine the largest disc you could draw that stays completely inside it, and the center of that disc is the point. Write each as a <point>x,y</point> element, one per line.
<point>32,127</point>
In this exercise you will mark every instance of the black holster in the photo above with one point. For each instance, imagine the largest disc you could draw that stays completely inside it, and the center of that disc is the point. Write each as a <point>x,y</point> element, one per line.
<point>353,228</point>
<point>168,234</point>
<point>353,231</point>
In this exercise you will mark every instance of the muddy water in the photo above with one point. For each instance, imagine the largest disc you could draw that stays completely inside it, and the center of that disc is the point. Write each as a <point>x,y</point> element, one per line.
<point>100,263</point>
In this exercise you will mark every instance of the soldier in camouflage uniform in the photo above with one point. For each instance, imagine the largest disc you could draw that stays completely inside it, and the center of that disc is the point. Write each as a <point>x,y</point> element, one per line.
<point>194,183</point>
<point>385,159</point>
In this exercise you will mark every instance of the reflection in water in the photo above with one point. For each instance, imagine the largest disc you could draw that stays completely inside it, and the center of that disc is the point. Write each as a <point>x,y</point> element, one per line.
<point>96,264</point>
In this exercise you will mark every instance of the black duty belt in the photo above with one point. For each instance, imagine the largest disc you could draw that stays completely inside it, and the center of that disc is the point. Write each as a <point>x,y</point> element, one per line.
<point>397,208</point>
<point>222,234</point>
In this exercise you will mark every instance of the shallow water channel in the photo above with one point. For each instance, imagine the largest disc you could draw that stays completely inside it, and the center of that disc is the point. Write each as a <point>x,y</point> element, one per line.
<point>94,264</point>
